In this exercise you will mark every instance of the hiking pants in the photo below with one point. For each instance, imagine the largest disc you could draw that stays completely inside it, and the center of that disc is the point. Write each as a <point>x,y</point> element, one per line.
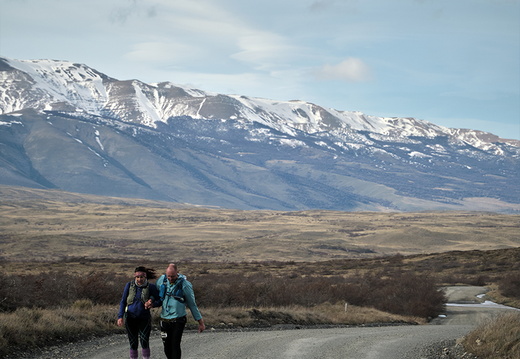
<point>138,329</point>
<point>171,334</point>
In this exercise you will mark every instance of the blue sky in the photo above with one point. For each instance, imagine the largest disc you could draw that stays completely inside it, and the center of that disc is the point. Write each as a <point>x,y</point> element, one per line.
<point>455,63</point>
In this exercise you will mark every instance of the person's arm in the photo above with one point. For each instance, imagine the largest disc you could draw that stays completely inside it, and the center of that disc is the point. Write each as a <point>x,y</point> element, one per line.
<point>154,301</point>
<point>202,326</point>
<point>189,297</point>
<point>122,305</point>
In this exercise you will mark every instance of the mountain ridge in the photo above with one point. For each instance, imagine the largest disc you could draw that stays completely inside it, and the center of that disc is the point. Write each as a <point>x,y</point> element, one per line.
<point>86,80</point>
<point>168,142</point>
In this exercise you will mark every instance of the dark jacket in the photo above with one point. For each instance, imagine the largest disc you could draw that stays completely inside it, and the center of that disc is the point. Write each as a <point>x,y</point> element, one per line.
<point>136,309</point>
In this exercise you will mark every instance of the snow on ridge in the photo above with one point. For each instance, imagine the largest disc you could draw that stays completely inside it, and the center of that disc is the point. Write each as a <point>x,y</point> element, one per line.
<point>66,81</point>
<point>305,113</point>
<point>285,116</point>
<point>85,89</point>
<point>74,84</point>
<point>195,92</point>
<point>10,123</point>
<point>98,140</point>
<point>145,106</point>
<point>418,154</point>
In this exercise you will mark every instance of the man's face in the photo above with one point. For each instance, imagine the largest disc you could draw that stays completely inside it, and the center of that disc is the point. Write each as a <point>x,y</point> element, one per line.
<point>172,275</point>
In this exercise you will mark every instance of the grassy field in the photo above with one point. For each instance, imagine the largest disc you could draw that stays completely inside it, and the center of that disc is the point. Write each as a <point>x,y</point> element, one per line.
<point>55,237</point>
<point>44,228</point>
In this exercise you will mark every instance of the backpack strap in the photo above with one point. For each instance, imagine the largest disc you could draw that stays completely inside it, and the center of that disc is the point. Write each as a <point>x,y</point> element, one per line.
<point>164,286</point>
<point>177,292</point>
<point>132,292</point>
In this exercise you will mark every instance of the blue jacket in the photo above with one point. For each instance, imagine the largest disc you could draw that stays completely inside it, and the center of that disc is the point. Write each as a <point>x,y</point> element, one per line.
<point>136,308</point>
<point>171,307</point>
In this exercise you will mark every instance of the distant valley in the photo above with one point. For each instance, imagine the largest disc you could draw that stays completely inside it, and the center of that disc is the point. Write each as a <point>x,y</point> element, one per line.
<point>36,226</point>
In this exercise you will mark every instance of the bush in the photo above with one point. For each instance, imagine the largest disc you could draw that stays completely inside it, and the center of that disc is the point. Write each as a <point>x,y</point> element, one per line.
<point>54,289</point>
<point>101,288</point>
<point>510,285</point>
<point>400,293</point>
<point>396,292</point>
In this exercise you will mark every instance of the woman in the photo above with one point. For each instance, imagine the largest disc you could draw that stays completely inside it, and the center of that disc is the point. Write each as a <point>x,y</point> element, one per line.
<point>134,310</point>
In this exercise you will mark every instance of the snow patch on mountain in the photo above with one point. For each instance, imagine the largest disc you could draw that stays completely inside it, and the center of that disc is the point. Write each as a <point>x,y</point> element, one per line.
<point>65,86</point>
<point>66,82</point>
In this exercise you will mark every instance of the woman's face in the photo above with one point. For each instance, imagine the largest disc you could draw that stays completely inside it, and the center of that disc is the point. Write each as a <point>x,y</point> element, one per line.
<point>140,278</point>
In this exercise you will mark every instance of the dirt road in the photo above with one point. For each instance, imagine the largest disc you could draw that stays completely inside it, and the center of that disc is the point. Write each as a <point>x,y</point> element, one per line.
<point>403,342</point>
<point>466,306</point>
<point>390,342</point>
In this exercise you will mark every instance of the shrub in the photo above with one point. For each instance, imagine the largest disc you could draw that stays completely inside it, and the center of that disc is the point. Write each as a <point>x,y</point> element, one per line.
<point>400,292</point>
<point>403,293</point>
<point>82,304</point>
<point>55,288</point>
<point>397,292</point>
<point>510,285</point>
<point>101,288</point>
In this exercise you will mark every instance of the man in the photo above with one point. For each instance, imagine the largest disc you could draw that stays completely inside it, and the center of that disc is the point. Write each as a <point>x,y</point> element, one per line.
<point>177,294</point>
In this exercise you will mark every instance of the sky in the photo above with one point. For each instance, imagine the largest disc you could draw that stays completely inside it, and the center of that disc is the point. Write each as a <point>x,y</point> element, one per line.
<point>455,63</point>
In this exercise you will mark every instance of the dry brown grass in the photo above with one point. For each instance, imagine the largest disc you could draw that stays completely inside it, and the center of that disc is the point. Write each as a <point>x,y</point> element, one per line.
<point>31,328</point>
<point>28,328</point>
<point>233,317</point>
<point>497,339</point>
<point>43,231</point>
<point>50,230</point>
<point>496,296</point>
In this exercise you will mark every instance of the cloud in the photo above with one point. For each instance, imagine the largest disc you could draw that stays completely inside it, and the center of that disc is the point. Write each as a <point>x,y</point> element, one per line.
<point>164,52</point>
<point>321,5</point>
<point>350,70</point>
<point>263,50</point>
<point>201,36</point>
<point>121,14</point>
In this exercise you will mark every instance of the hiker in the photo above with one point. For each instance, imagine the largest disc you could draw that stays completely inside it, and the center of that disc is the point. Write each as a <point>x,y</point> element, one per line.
<point>176,294</point>
<point>139,296</point>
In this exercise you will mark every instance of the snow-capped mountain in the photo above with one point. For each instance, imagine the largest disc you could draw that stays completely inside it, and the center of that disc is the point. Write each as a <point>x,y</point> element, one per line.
<point>68,126</point>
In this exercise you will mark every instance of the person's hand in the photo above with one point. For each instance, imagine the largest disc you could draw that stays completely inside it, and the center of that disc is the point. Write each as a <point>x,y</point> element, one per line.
<point>148,304</point>
<point>120,322</point>
<point>202,326</point>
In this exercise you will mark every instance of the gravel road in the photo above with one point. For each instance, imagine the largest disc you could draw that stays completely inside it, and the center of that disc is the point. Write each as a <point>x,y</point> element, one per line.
<point>388,342</point>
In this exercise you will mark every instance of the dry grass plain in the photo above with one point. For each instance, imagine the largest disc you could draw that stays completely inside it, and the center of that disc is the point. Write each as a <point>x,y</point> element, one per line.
<point>87,235</point>
<point>43,226</point>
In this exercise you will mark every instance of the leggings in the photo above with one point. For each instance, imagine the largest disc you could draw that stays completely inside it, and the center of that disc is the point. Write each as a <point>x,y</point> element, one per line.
<point>138,329</point>
<point>171,334</point>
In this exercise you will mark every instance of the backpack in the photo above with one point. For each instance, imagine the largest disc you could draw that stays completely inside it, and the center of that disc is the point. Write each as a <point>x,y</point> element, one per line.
<point>132,291</point>
<point>177,292</point>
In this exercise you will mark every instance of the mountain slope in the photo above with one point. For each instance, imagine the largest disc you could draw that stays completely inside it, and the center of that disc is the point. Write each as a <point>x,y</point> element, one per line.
<point>67,126</point>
